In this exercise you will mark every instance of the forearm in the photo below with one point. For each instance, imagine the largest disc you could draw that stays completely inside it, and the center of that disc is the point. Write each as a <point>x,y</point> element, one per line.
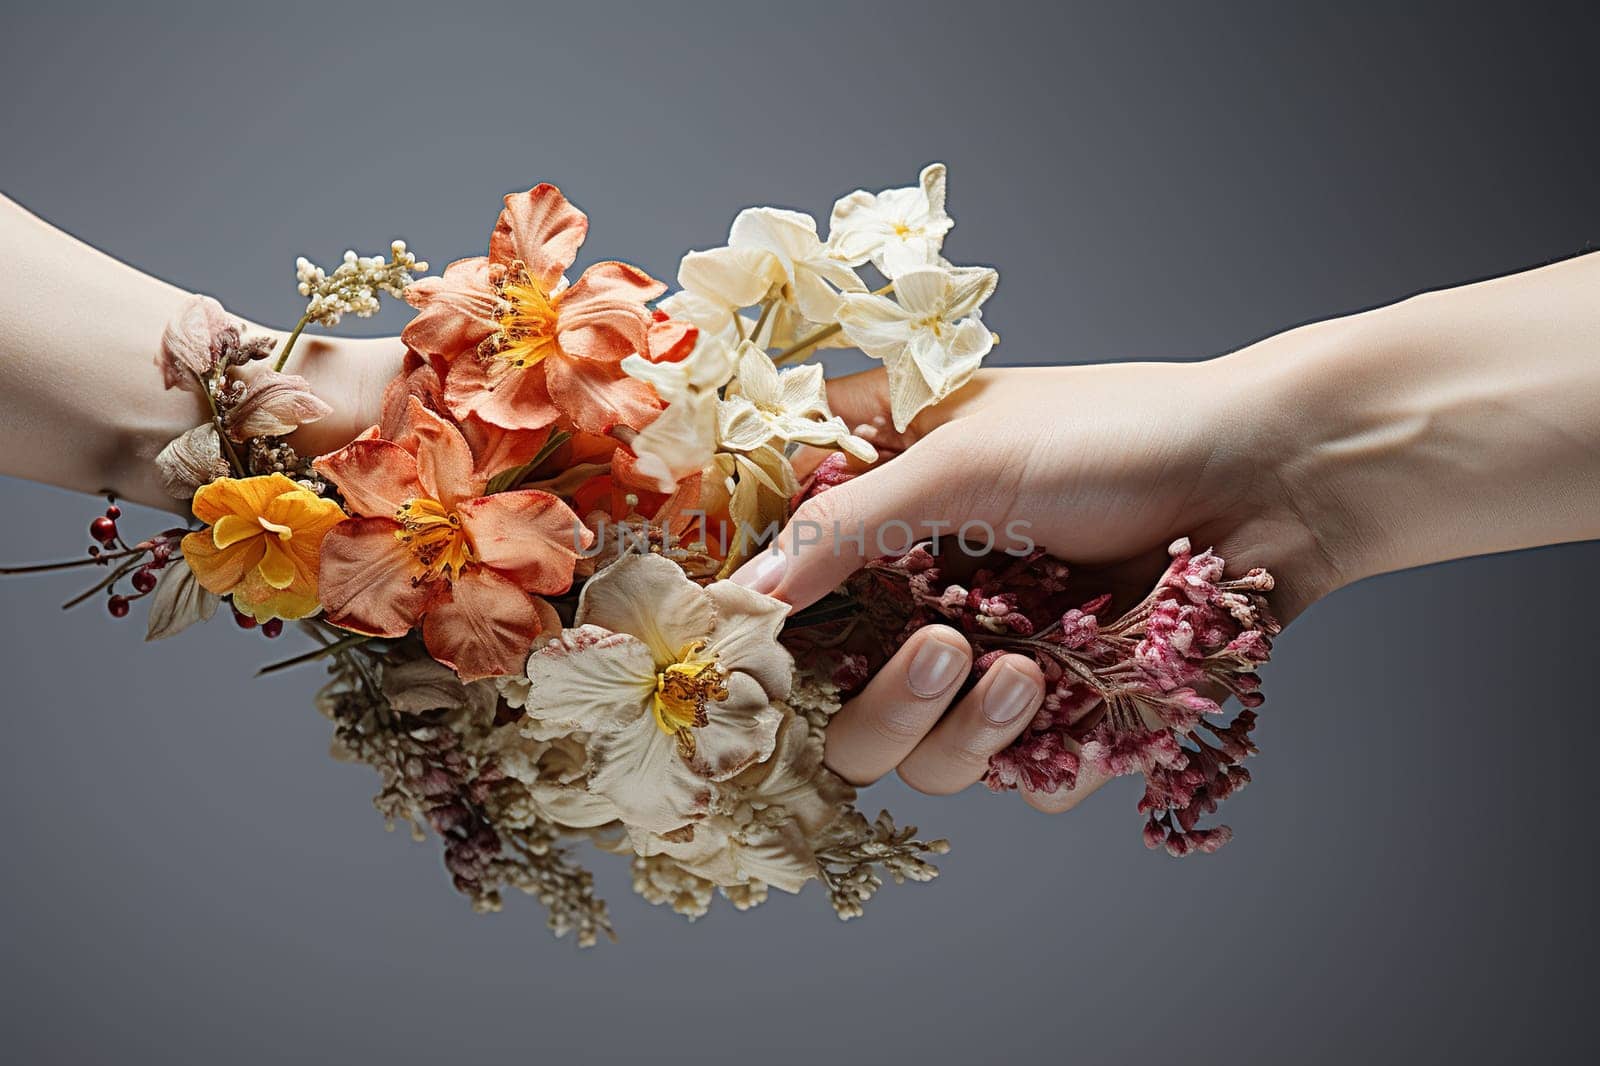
<point>83,405</point>
<point>1461,422</point>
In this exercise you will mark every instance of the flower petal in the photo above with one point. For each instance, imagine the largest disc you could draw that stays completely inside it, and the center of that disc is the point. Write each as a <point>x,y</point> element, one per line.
<point>192,459</point>
<point>590,679</point>
<point>499,393</point>
<point>740,731</point>
<point>220,570</point>
<point>455,312</point>
<point>650,598</point>
<point>598,396</point>
<point>484,627</point>
<point>193,341</point>
<point>529,535</point>
<point>876,324</point>
<point>731,277</point>
<point>639,770</point>
<point>603,315</point>
<point>274,404</point>
<point>366,579</point>
<point>541,229</point>
<point>495,449</point>
<point>375,477</point>
<point>444,460</point>
<point>745,636</point>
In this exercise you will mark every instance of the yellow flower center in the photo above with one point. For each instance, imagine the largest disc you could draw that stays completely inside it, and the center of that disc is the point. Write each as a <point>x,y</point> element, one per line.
<point>683,688</point>
<point>436,539</point>
<point>528,322</point>
<point>903,231</point>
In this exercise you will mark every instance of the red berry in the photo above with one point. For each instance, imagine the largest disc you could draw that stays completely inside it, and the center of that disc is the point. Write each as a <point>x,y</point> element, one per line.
<point>103,530</point>
<point>113,512</point>
<point>144,579</point>
<point>118,606</point>
<point>272,627</point>
<point>243,620</point>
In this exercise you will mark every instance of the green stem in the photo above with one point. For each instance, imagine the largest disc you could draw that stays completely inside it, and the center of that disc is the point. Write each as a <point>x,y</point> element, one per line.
<point>314,654</point>
<point>288,344</point>
<point>800,346</point>
<point>766,309</point>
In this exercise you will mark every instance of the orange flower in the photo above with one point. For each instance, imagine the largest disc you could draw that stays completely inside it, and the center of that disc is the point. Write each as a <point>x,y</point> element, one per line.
<point>522,350</point>
<point>426,545</point>
<point>262,544</point>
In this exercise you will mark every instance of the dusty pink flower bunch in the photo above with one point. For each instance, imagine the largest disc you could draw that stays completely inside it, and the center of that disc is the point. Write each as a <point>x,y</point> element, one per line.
<point>1135,692</point>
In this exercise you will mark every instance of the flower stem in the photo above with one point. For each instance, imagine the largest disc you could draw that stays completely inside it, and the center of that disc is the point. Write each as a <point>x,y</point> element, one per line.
<point>89,560</point>
<point>288,344</point>
<point>222,430</point>
<point>316,653</point>
<point>800,347</point>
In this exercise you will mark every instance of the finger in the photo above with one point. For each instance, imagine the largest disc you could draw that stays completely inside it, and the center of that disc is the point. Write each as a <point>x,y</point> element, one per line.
<point>956,753</point>
<point>833,534</point>
<point>881,726</point>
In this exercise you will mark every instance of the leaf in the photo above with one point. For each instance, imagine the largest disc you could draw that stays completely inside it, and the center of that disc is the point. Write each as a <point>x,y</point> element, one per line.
<point>178,602</point>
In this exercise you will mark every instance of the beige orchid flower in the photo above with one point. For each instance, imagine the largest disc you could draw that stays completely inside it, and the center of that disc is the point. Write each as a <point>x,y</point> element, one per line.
<point>898,229</point>
<point>931,336</point>
<point>673,683</point>
<point>765,404</point>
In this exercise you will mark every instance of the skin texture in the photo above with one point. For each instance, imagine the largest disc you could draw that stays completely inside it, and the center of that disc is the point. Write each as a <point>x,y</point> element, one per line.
<point>1455,423</point>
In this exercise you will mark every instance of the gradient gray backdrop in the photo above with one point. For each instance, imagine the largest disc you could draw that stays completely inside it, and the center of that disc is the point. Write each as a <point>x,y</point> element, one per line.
<point>188,878</point>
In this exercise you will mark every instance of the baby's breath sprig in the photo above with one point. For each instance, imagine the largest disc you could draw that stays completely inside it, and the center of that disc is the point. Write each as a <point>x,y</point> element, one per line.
<point>352,288</point>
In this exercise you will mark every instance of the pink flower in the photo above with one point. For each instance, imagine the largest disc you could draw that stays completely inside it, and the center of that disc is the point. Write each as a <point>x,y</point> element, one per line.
<point>427,546</point>
<point>522,350</point>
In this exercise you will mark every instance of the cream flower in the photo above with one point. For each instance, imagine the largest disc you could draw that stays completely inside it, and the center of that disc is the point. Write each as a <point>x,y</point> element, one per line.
<point>674,684</point>
<point>898,229</point>
<point>765,820</point>
<point>764,404</point>
<point>771,254</point>
<point>930,336</point>
<point>683,438</point>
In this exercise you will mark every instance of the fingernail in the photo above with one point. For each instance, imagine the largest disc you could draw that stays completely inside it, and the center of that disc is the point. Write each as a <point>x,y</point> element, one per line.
<point>1011,693</point>
<point>763,573</point>
<point>934,668</point>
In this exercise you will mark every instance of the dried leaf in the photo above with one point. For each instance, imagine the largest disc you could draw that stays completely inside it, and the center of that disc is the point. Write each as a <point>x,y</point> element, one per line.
<point>178,602</point>
<point>275,404</point>
<point>192,460</point>
<point>194,341</point>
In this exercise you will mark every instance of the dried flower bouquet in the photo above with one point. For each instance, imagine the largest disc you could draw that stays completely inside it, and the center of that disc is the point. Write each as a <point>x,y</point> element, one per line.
<point>517,578</point>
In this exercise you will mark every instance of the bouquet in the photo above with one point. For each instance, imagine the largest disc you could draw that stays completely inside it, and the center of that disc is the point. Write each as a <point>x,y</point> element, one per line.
<point>517,579</point>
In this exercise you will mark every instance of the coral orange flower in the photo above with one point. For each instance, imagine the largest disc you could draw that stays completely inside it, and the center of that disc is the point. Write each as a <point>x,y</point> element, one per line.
<point>427,546</point>
<point>262,543</point>
<point>523,351</point>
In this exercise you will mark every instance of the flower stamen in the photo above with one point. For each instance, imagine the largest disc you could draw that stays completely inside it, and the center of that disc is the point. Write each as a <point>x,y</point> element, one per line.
<point>528,322</point>
<point>436,539</point>
<point>683,688</point>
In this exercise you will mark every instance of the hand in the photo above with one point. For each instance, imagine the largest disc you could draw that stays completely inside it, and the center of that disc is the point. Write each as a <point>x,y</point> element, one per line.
<point>1104,466</point>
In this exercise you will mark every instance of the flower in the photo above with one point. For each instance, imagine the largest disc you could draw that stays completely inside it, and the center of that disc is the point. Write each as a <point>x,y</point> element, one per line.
<point>898,229</point>
<point>674,683</point>
<point>193,343</point>
<point>273,404</point>
<point>931,336</point>
<point>683,439</point>
<point>764,825</point>
<point>765,403</point>
<point>261,543</point>
<point>523,349</point>
<point>427,546</point>
<point>771,254</point>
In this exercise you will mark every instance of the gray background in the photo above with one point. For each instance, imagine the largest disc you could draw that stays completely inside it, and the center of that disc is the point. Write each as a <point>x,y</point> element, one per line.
<point>188,878</point>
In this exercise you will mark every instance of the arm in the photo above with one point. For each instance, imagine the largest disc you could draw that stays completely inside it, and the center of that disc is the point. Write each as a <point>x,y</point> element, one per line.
<point>82,406</point>
<point>1455,423</point>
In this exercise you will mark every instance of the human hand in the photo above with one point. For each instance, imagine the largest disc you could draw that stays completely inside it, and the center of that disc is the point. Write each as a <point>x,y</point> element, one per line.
<point>1103,466</point>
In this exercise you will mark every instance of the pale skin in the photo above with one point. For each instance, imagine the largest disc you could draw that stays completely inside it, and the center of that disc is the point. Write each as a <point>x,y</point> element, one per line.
<point>1461,422</point>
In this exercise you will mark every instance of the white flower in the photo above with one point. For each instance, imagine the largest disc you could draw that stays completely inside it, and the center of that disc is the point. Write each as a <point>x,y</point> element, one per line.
<point>764,822</point>
<point>930,336</point>
<point>771,254</point>
<point>674,684</point>
<point>791,405</point>
<point>898,229</point>
<point>683,438</point>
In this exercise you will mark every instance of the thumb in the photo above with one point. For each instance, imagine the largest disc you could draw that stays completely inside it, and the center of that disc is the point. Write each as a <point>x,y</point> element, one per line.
<point>833,534</point>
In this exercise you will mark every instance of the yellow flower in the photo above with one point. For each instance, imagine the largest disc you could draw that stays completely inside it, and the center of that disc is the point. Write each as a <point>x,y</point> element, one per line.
<point>262,544</point>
